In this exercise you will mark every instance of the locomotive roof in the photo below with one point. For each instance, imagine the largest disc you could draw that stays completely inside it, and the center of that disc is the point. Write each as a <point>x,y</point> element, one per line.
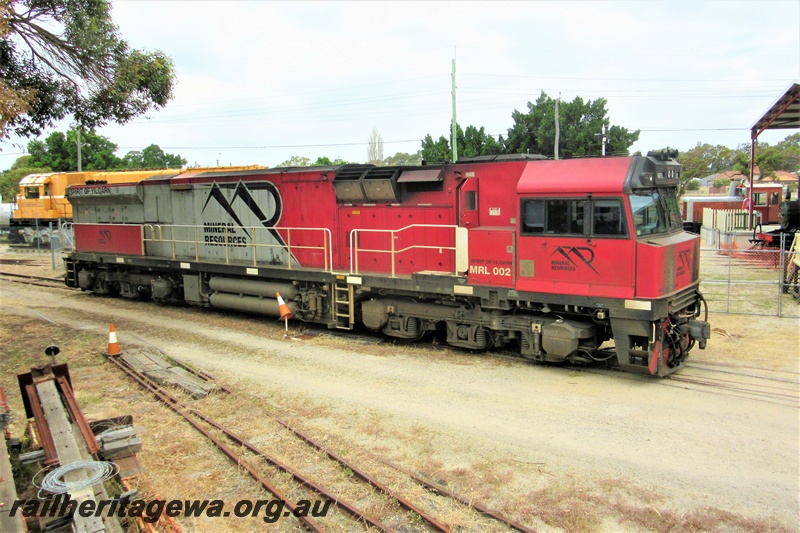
<point>598,175</point>
<point>501,157</point>
<point>38,179</point>
<point>35,179</point>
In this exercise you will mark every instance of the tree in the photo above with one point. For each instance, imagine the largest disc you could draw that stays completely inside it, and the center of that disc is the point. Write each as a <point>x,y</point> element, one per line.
<point>83,68</point>
<point>151,157</point>
<point>791,147</point>
<point>783,156</point>
<point>475,142</point>
<point>59,152</point>
<point>472,142</point>
<point>9,179</point>
<point>704,160</point>
<point>296,161</point>
<point>580,126</point>
<point>402,159</point>
<point>437,151</point>
<point>375,148</point>
<point>768,159</point>
<point>323,161</point>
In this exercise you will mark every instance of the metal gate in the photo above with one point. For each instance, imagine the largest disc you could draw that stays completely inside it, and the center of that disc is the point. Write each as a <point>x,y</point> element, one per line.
<point>737,278</point>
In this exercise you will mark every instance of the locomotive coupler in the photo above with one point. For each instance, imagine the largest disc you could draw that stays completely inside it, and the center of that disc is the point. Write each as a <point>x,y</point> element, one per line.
<point>698,330</point>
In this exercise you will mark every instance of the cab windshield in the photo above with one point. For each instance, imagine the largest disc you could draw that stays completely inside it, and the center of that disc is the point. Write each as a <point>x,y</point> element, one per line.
<point>655,211</point>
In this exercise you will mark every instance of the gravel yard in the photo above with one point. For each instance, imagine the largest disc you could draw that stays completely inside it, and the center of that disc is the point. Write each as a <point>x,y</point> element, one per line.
<point>556,448</point>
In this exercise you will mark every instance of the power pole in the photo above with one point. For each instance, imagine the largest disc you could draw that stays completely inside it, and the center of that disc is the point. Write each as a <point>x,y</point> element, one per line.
<point>453,139</point>
<point>604,138</point>
<point>78,141</point>
<point>558,131</point>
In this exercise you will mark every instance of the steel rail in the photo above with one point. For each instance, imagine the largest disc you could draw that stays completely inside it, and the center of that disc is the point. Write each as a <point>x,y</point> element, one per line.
<point>439,489</point>
<point>704,364</point>
<point>755,393</point>
<point>793,382</point>
<point>173,403</point>
<point>38,278</point>
<point>347,507</point>
<point>342,504</point>
<point>438,526</point>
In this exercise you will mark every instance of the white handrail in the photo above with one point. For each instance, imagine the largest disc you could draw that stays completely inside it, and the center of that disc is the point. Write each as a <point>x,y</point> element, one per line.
<point>157,235</point>
<point>354,250</point>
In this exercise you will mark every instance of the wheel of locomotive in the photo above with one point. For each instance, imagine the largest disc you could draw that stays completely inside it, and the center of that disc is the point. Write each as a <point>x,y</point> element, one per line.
<point>470,336</point>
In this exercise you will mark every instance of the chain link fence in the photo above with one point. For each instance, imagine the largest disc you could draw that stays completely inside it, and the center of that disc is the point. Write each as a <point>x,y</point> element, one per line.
<point>738,277</point>
<point>52,238</point>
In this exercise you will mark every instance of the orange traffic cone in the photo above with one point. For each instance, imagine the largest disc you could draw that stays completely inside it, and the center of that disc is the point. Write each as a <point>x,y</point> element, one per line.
<point>286,314</point>
<point>113,345</point>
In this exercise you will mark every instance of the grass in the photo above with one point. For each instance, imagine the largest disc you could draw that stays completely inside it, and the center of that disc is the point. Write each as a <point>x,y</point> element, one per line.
<point>569,505</point>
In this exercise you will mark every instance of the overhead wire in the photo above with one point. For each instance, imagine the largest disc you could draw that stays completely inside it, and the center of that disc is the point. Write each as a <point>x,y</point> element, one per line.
<point>419,103</point>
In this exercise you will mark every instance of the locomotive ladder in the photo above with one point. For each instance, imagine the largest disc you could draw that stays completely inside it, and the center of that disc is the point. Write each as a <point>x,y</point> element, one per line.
<point>71,274</point>
<point>343,308</point>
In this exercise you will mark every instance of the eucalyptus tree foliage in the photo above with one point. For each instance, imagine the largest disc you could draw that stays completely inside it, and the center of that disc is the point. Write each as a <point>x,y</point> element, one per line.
<point>580,129</point>
<point>62,58</point>
<point>152,157</point>
<point>472,142</point>
<point>59,152</point>
<point>580,125</point>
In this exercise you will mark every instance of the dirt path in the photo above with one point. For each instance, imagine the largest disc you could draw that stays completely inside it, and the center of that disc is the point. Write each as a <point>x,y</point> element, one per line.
<point>504,430</point>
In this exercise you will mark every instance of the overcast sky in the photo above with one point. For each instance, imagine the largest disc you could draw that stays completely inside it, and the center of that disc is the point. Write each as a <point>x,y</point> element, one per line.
<point>260,81</point>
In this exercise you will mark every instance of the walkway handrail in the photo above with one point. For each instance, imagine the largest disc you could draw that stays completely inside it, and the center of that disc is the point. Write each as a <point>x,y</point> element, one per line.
<point>157,236</point>
<point>354,250</point>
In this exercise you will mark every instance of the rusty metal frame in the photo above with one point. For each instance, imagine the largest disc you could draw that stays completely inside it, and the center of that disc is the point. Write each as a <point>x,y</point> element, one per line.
<point>77,416</point>
<point>45,436</point>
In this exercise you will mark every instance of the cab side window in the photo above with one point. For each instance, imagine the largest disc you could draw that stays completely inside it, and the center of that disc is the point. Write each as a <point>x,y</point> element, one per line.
<point>533,216</point>
<point>584,217</point>
<point>608,219</point>
<point>566,216</point>
<point>558,217</point>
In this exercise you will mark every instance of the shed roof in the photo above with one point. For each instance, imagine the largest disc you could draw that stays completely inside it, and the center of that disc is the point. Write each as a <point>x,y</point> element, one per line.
<point>783,114</point>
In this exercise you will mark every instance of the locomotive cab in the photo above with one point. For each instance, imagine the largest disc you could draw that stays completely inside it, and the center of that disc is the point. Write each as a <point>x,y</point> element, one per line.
<point>608,233</point>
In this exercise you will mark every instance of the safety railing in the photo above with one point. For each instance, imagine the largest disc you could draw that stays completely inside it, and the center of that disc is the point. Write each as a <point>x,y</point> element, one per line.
<point>393,252</point>
<point>738,276</point>
<point>67,234</point>
<point>727,220</point>
<point>186,241</point>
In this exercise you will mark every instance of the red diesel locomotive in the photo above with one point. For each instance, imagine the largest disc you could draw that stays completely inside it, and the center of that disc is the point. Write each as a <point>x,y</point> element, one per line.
<point>575,260</point>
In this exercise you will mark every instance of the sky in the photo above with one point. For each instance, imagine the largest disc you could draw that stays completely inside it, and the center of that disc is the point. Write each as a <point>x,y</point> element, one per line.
<point>259,82</point>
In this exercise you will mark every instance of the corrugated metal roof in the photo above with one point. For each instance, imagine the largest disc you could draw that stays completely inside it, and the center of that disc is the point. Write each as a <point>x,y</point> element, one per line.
<point>783,114</point>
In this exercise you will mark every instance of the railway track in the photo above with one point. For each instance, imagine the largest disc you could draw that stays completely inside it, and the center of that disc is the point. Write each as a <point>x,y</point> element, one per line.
<point>205,424</point>
<point>753,383</point>
<point>780,387</point>
<point>756,383</point>
<point>39,281</point>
